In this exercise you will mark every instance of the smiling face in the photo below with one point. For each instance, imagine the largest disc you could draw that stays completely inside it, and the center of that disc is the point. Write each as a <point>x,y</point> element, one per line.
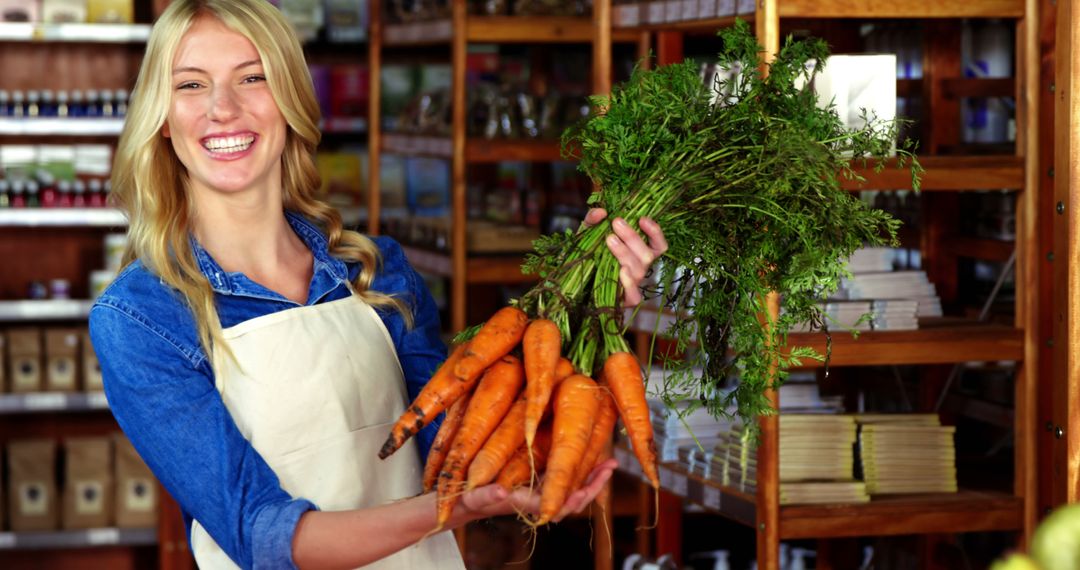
<point>223,122</point>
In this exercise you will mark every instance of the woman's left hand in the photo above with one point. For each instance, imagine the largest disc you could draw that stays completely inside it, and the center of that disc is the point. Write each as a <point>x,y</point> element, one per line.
<point>634,254</point>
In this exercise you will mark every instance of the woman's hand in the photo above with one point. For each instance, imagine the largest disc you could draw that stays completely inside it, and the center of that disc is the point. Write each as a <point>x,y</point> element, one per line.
<point>634,254</point>
<point>494,500</point>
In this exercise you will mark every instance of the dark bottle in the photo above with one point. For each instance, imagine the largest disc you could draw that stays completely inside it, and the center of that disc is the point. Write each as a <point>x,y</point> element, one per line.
<point>78,194</point>
<point>5,193</point>
<point>95,197</point>
<point>65,199</point>
<point>18,194</point>
<point>33,200</point>
<point>49,196</point>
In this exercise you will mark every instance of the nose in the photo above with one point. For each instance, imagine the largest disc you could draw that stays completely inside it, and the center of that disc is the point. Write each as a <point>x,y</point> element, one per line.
<point>224,104</point>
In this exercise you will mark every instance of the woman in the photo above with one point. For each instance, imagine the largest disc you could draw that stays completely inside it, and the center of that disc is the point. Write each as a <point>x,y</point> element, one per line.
<point>253,351</point>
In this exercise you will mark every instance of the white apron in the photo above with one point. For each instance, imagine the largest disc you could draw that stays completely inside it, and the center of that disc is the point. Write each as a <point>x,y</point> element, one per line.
<point>316,392</point>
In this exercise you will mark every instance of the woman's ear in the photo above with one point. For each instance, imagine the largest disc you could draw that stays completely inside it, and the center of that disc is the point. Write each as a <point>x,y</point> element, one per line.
<point>165,130</point>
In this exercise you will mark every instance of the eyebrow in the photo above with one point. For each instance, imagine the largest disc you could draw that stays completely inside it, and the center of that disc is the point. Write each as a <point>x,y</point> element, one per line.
<point>248,63</point>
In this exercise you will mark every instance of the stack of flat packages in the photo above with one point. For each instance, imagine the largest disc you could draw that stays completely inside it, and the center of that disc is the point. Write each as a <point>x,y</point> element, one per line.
<point>906,453</point>
<point>816,451</point>
<point>693,429</point>
<point>897,298</point>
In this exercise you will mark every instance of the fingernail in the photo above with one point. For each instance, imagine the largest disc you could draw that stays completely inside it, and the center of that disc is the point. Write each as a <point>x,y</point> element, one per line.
<point>613,240</point>
<point>620,223</point>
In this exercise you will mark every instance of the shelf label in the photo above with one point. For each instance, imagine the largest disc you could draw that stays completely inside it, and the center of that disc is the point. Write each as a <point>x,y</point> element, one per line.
<point>44,401</point>
<point>656,12</point>
<point>711,497</point>
<point>7,540</point>
<point>689,9</point>
<point>672,10</point>
<point>99,536</point>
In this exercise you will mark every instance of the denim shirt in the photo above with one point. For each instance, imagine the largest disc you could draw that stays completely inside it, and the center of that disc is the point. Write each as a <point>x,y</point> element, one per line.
<point>160,386</point>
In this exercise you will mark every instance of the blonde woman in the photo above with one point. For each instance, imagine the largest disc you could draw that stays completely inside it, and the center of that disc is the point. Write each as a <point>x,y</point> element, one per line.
<point>253,351</point>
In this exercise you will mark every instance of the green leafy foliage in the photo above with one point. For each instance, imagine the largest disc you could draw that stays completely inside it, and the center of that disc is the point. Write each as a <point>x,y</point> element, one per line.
<point>748,193</point>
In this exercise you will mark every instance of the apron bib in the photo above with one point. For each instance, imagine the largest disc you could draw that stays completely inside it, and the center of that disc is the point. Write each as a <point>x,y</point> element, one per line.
<point>316,392</point>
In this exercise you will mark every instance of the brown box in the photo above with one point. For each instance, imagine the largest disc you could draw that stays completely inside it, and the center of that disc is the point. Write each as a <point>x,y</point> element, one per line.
<point>32,497</point>
<point>24,355</point>
<point>136,489</point>
<point>61,359</point>
<point>88,482</point>
<point>91,368</point>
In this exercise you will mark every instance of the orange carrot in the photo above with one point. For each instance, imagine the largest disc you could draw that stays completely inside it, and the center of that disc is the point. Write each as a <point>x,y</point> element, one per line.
<point>623,375</point>
<point>517,471</point>
<point>577,401</point>
<point>494,396</point>
<point>440,447</point>
<point>564,369</point>
<point>439,393</point>
<point>601,435</point>
<point>497,450</point>
<point>498,336</point>
<point>541,347</point>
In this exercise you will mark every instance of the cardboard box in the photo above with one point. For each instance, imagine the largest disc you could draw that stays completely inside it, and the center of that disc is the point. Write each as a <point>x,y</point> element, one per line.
<point>110,11</point>
<point>91,368</point>
<point>63,11</point>
<point>25,356</point>
<point>427,185</point>
<point>342,178</point>
<point>136,492</point>
<point>346,20</point>
<point>20,10</point>
<point>349,86</point>
<point>62,360</point>
<point>88,486</point>
<point>33,501</point>
<point>858,83</point>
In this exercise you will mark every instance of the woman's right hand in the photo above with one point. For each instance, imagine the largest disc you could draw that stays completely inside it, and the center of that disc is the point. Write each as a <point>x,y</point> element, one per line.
<point>494,500</point>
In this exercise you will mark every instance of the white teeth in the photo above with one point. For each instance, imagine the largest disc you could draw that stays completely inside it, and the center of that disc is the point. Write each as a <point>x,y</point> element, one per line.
<point>229,144</point>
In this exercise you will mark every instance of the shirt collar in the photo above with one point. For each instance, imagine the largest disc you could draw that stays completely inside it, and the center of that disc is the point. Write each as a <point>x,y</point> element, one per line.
<point>224,282</point>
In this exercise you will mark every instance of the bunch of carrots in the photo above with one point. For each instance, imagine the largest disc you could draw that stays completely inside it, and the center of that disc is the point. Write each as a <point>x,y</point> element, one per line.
<point>516,408</point>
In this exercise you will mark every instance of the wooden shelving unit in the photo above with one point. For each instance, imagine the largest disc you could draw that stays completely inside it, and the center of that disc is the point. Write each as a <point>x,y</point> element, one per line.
<point>938,341</point>
<point>459,31</point>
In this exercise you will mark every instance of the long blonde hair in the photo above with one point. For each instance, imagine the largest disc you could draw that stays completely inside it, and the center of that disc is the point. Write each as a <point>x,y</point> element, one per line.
<point>149,182</point>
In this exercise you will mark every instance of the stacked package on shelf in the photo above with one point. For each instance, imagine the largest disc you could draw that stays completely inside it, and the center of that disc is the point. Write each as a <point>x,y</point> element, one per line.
<point>898,297</point>
<point>906,453</point>
<point>677,436</point>
<point>816,451</point>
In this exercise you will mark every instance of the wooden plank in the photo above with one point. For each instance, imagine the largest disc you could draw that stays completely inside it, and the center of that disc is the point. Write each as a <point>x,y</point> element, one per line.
<point>517,29</point>
<point>1029,261</point>
<point>929,345</point>
<point>965,511</point>
<point>981,248</point>
<point>907,9</point>
<point>703,26</point>
<point>419,33</point>
<point>950,173</point>
<point>1067,239</point>
<point>957,87</point>
<point>768,472</point>
<point>374,191</point>
<point>458,193</point>
<point>479,151</point>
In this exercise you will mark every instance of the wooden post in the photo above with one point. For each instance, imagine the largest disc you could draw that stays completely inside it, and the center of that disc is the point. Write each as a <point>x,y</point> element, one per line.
<point>1027,267</point>
<point>458,196</point>
<point>374,201</point>
<point>1067,245</point>
<point>767,22</point>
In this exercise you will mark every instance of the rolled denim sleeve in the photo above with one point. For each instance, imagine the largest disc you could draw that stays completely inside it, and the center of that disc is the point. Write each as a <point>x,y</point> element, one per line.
<point>420,349</point>
<point>161,391</point>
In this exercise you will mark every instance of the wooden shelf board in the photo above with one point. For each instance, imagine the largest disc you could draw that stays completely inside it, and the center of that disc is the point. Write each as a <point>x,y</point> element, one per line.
<point>479,269</point>
<point>37,402</point>
<point>701,26</point>
<point>951,173</point>
<point>488,151</point>
<point>67,127</point>
<point>908,9</point>
<point>500,29</point>
<point>62,217</point>
<point>516,29</point>
<point>44,310</point>
<point>108,536</point>
<point>981,248</point>
<point>74,32</point>
<point>937,341</point>
<point>885,515</point>
<point>477,151</point>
